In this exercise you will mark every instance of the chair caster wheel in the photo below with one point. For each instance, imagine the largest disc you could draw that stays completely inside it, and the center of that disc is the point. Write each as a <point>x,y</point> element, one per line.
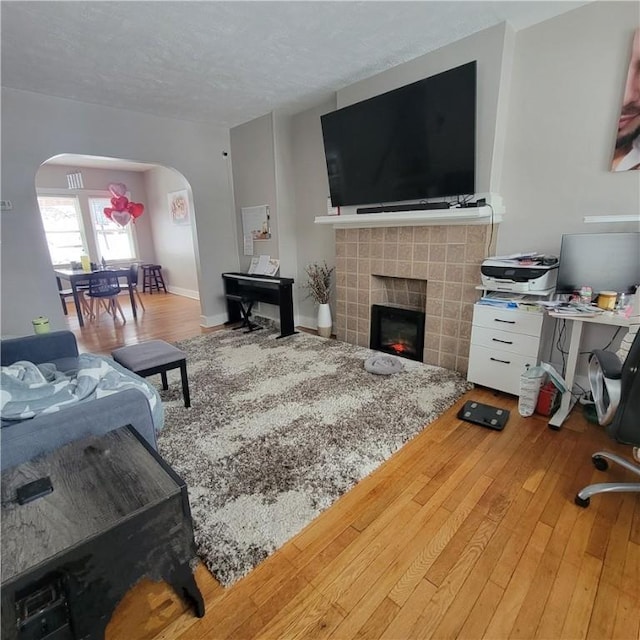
<point>600,463</point>
<point>582,502</point>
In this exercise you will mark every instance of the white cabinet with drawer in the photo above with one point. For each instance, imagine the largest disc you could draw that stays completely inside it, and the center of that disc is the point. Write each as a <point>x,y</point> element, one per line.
<point>503,343</point>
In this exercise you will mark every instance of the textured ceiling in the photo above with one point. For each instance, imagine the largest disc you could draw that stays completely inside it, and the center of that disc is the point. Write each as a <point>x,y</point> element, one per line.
<point>229,62</point>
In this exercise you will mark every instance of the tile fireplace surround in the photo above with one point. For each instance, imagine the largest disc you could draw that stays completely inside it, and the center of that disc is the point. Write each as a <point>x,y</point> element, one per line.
<point>446,257</point>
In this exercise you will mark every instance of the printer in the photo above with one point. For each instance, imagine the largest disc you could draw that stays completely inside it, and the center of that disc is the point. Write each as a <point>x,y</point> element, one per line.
<point>520,273</point>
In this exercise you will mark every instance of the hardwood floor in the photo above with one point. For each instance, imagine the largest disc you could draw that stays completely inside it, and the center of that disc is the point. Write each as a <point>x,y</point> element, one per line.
<point>463,533</point>
<point>167,317</point>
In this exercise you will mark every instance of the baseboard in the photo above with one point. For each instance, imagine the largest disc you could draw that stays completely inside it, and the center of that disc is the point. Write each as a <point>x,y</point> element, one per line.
<point>185,293</point>
<point>303,324</point>
<point>221,318</point>
<point>213,321</point>
<point>307,322</point>
<point>271,312</point>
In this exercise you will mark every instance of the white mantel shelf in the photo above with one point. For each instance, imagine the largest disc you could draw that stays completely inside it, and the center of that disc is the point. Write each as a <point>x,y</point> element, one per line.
<point>477,215</point>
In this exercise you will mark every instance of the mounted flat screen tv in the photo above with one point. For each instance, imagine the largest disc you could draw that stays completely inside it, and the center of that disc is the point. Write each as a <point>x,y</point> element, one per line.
<point>413,143</point>
<point>602,261</point>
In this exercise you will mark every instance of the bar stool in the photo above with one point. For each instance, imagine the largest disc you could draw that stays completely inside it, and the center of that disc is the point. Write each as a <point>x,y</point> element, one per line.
<point>152,279</point>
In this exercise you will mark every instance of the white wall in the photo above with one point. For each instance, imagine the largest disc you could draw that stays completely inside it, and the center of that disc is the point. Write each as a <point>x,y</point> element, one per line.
<point>314,243</point>
<point>36,127</point>
<point>174,243</point>
<point>568,81</point>
<point>288,233</point>
<point>263,173</point>
<point>254,180</point>
<point>279,160</point>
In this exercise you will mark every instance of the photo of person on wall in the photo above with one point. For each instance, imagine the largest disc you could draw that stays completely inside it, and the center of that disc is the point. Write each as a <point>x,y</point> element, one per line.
<point>626,156</point>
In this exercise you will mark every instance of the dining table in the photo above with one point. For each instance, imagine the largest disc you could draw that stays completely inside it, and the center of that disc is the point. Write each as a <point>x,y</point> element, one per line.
<point>76,276</point>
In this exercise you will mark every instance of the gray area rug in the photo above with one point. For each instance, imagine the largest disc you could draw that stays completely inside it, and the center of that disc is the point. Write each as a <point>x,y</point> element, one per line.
<point>279,429</point>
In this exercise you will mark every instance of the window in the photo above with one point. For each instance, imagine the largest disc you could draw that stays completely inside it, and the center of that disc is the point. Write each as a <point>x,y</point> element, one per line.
<point>77,225</point>
<point>113,241</point>
<point>63,227</point>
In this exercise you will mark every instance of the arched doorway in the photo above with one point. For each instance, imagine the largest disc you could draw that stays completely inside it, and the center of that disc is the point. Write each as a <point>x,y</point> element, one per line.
<point>74,189</point>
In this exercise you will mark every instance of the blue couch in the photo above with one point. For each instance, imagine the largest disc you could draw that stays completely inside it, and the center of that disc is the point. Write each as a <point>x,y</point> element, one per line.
<point>23,440</point>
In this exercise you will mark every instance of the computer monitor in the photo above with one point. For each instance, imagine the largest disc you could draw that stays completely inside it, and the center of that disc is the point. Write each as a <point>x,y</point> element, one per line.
<point>602,261</point>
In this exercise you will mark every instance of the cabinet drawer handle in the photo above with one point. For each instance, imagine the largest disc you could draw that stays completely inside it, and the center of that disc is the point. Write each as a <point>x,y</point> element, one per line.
<point>503,341</point>
<point>502,361</point>
<point>505,321</point>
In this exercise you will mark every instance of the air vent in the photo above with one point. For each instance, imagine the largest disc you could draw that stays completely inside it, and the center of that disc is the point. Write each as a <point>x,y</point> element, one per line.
<point>74,180</point>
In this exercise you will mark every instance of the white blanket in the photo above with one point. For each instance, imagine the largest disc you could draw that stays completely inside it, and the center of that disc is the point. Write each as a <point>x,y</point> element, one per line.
<point>28,390</point>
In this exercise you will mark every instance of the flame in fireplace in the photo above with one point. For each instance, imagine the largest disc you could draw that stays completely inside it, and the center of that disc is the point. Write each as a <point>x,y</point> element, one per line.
<point>400,347</point>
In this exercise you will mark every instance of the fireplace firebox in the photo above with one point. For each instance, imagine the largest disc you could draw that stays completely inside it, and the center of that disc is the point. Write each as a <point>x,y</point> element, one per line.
<point>398,331</point>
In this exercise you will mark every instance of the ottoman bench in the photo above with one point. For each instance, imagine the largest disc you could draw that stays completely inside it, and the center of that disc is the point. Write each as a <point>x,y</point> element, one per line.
<point>155,356</point>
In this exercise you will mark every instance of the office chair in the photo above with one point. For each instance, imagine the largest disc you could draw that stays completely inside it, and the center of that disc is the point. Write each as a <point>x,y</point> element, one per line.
<point>616,391</point>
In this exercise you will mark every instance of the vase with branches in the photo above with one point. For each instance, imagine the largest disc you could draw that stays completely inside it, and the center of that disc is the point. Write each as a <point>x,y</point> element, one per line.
<point>319,288</point>
<point>319,281</point>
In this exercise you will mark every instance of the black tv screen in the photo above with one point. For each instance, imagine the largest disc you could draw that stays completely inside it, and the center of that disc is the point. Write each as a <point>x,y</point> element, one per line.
<point>602,261</point>
<point>413,143</point>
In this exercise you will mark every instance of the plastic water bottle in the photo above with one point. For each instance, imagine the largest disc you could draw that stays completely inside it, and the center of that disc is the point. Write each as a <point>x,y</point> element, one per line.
<point>622,301</point>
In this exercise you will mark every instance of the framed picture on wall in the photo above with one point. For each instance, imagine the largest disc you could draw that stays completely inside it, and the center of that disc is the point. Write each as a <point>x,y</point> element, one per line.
<point>626,156</point>
<point>179,207</point>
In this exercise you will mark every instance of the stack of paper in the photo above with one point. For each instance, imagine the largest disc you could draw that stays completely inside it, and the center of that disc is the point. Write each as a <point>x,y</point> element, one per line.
<point>492,302</point>
<point>576,309</point>
<point>264,266</point>
<point>519,258</point>
<point>508,300</point>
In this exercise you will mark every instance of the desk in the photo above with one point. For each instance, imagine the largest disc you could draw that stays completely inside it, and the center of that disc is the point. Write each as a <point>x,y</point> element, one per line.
<point>78,275</point>
<point>577,324</point>
<point>272,290</point>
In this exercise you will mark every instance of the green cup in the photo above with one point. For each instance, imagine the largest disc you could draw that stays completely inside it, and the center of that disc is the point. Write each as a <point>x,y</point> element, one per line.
<point>41,325</point>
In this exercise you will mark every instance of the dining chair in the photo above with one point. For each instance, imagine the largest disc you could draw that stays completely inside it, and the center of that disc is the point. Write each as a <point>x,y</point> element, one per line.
<point>81,287</point>
<point>104,287</point>
<point>133,279</point>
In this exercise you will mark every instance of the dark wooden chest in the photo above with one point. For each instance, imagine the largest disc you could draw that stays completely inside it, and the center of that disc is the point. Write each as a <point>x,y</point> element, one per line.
<point>117,513</point>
